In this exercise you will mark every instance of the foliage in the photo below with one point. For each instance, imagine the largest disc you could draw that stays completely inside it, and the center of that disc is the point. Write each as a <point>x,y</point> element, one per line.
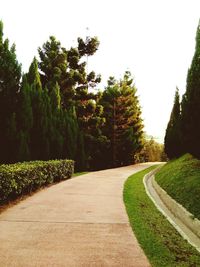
<point>39,145</point>
<point>22,178</point>
<point>123,127</point>
<point>180,179</point>
<point>82,116</point>
<point>173,131</point>
<point>54,111</point>
<point>24,120</point>
<point>191,105</point>
<point>183,130</point>
<point>151,151</point>
<point>10,74</point>
<point>162,244</point>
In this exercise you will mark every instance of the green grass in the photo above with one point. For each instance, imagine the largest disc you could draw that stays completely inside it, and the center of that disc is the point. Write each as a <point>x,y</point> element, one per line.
<point>79,173</point>
<point>161,243</point>
<point>180,178</point>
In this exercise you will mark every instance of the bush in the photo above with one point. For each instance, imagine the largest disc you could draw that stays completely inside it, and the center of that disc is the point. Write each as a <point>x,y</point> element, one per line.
<point>23,178</point>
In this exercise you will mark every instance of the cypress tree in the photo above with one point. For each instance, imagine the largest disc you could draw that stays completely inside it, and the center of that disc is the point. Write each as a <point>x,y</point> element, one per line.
<point>191,104</point>
<point>24,120</point>
<point>10,74</point>
<point>108,101</point>
<point>40,108</point>
<point>71,134</point>
<point>173,132</point>
<point>80,159</point>
<point>55,119</point>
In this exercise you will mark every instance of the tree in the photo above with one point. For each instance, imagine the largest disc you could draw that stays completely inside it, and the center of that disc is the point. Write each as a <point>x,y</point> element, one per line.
<point>10,74</point>
<point>24,120</point>
<point>173,132</point>
<point>130,122</point>
<point>124,127</point>
<point>40,108</point>
<point>54,67</point>
<point>55,123</point>
<point>151,151</point>
<point>88,47</point>
<point>68,70</point>
<point>191,104</point>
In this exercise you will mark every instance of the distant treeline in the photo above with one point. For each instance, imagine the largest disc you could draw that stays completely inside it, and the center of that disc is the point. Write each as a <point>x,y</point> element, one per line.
<point>54,112</point>
<point>183,130</point>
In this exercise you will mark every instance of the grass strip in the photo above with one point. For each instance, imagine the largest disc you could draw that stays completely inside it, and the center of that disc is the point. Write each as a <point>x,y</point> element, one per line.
<point>79,174</point>
<point>180,178</point>
<point>162,244</point>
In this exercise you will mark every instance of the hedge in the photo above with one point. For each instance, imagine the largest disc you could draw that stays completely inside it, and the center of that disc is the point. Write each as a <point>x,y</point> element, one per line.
<point>23,178</point>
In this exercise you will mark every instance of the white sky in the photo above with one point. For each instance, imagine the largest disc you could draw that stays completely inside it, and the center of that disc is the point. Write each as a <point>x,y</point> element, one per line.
<point>154,39</point>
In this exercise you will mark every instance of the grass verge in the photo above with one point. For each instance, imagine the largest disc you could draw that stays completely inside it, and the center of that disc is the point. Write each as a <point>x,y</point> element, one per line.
<point>78,174</point>
<point>161,243</point>
<point>180,178</point>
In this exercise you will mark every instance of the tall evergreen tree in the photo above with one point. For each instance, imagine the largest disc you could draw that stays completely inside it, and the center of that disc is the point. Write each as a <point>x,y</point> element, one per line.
<point>24,120</point>
<point>10,74</point>
<point>67,68</point>
<point>55,124</point>
<point>40,107</point>
<point>173,132</point>
<point>54,69</point>
<point>191,104</point>
<point>55,114</point>
<point>124,127</point>
<point>130,122</point>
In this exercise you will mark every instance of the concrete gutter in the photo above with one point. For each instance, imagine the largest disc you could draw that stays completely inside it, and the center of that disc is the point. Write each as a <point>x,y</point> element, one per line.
<point>177,215</point>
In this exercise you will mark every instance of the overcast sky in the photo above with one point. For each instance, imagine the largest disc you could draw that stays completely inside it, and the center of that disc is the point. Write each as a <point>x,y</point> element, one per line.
<point>154,40</point>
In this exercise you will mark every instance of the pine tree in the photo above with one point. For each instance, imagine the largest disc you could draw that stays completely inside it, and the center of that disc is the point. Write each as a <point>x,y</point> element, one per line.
<point>68,70</point>
<point>129,122</point>
<point>173,132</point>
<point>124,127</point>
<point>191,104</point>
<point>10,74</point>
<point>55,68</point>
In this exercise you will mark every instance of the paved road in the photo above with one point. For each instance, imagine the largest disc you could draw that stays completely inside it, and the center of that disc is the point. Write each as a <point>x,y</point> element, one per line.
<point>79,222</point>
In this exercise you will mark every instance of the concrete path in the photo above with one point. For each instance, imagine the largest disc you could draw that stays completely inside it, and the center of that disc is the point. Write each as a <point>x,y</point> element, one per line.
<point>78,222</point>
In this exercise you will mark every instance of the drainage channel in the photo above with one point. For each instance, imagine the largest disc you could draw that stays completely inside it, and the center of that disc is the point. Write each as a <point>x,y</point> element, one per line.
<point>178,216</point>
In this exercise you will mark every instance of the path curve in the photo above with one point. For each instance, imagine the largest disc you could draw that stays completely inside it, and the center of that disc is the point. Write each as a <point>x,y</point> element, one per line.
<point>78,222</point>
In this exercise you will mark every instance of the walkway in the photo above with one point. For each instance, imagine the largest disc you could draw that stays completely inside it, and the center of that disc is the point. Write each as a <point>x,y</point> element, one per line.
<point>78,222</point>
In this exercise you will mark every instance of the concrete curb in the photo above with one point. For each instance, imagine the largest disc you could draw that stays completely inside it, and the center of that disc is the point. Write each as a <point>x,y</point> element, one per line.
<point>176,214</point>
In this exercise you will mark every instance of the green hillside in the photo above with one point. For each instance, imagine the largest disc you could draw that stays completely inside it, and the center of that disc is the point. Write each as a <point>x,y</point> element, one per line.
<point>180,178</point>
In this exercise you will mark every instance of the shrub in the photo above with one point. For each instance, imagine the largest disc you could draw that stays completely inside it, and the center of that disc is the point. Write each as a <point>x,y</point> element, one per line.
<point>22,178</point>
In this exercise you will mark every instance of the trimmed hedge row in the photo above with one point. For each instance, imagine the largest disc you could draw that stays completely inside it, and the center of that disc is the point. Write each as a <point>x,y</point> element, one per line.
<point>22,178</point>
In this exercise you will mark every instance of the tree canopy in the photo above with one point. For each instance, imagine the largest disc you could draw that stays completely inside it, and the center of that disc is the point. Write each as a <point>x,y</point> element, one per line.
<point>53,111</point>
<point>183,130</point>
